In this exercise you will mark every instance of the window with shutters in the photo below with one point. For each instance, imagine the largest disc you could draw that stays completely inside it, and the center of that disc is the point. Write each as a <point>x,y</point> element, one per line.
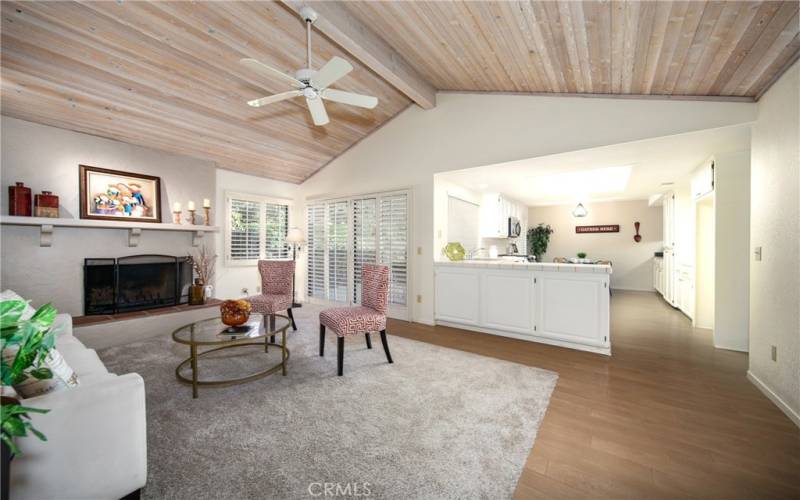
<point>343,235</point>
<point>256,229</point>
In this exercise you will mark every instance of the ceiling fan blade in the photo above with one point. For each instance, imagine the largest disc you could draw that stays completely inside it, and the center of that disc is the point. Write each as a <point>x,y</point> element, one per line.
<point>362,101</point>
<point>332,71</point>
<point>317,109</point>
<point>257,103</point>
<point>268,71</point>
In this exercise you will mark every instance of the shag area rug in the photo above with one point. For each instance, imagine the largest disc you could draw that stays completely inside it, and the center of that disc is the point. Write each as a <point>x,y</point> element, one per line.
<point>438,423</point>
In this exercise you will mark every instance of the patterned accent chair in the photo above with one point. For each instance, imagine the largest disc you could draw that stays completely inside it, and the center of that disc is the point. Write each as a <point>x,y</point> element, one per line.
<point>276,291</point>
<point>369,317</point>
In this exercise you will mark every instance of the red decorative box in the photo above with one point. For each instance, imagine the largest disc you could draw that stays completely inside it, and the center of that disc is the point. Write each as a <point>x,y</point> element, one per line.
<point>46,205</point>
<point>19,200</point>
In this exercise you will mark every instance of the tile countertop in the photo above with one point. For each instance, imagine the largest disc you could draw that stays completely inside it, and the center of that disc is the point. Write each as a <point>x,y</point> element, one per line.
<point>529,266</point>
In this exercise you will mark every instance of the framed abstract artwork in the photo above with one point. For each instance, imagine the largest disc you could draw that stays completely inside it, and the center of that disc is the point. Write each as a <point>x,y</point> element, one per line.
<point>114,195</point>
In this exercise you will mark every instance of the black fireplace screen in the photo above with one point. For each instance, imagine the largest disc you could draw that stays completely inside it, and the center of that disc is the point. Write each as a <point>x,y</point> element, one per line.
<point>135,283</point>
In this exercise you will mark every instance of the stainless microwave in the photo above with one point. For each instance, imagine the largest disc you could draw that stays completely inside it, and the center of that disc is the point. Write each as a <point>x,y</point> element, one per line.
<point>514,227</point>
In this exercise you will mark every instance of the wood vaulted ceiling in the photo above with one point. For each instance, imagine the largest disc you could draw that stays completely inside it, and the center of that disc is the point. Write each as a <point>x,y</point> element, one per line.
<point>166,74</point>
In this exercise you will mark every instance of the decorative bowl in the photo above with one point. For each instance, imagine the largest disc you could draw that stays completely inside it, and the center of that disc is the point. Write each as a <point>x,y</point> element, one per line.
<point>235,312</point>
<point>454,251</point>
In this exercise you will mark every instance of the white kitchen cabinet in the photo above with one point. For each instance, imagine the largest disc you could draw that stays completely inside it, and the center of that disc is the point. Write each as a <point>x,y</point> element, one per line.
<point>658,274</point>
<point>506,299</point>
<point>702,181</point>
<point>551,303</point>
<point>458,295</point>
<point>495,211</point>
<point>572,307</point>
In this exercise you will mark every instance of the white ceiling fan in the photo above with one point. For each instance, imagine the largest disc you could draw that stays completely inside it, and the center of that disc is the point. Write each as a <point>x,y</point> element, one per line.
<point>313,85</point>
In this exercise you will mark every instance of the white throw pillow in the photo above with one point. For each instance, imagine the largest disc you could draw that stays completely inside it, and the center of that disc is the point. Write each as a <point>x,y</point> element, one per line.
<point>12,295</point>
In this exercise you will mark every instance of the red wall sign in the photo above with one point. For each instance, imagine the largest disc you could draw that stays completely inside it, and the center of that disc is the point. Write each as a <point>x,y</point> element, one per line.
<point>610,228</point>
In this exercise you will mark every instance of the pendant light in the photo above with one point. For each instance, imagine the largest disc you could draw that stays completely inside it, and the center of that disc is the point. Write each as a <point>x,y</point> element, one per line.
<point>580,211</point>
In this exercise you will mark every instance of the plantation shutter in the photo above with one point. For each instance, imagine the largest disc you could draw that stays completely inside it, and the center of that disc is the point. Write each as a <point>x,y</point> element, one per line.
<point>276,221</point>
<point>365,241</point>
<point>336,245</point>
<point>315,251</point>
<point>393,243</point>
<point>245,230</point>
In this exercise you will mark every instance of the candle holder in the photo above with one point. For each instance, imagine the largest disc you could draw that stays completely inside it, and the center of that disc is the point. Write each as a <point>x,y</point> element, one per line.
<point>207,210</point>
<point>176,217</point>
<point>191,217</point>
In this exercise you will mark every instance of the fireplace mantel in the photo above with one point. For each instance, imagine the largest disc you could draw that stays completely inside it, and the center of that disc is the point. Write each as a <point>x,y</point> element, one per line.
<point>46,226</point>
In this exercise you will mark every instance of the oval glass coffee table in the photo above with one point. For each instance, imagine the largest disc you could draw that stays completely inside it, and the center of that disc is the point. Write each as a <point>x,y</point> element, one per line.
<point>215,335</point>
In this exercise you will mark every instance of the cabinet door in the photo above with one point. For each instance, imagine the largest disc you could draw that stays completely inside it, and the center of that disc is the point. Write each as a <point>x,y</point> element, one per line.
<point>507,300</point>
<point>457,295</point>
<point>572,307</point>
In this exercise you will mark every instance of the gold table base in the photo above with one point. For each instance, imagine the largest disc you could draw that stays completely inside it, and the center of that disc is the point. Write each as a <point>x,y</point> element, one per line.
<point>194,356</point>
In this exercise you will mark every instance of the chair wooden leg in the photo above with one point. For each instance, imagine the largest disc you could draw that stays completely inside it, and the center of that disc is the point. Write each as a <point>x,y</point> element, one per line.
<point>386,346</point>
<point>291,317</point>
<point>340,354</point>
<point>321,340</point>
<point>369,340</point>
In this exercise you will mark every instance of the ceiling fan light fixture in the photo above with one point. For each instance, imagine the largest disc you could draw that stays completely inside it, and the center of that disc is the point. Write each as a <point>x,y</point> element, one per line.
<point>580,211</point>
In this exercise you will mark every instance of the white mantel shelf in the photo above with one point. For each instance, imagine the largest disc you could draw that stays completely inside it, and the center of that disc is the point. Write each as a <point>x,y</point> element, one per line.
<point>46,226</point>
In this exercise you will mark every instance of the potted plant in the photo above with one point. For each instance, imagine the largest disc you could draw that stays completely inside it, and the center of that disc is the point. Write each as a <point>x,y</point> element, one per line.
<point>538,239</point>
<point>581,255</point>
<point>24,346</point>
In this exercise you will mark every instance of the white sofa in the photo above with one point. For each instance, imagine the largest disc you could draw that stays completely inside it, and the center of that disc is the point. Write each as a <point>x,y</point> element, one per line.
<point>96,433</point>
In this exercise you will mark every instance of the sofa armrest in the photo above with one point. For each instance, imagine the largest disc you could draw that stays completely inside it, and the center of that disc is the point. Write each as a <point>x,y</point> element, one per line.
<point>63,325</point>
<point>96,442</point>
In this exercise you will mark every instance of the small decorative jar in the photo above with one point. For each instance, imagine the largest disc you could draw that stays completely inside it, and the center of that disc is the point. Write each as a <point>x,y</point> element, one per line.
<point>45,205</point>
<point>197,293</point>
<point>235,312</point>
<point>19,200</point>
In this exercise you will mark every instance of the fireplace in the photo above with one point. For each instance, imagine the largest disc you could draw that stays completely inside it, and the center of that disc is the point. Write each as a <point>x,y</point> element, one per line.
<point>135,283</point>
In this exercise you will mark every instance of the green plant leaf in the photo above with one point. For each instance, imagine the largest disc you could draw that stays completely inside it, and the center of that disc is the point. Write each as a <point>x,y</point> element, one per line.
<point>14,426</point>
<point>45,315</point>
<point>9,441</point>
<point>11,311</point>
<point>41,373</point>
<point>37,433</point>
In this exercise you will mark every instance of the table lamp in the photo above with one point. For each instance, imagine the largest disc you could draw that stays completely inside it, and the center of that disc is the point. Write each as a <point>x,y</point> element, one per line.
<point>296,239</point>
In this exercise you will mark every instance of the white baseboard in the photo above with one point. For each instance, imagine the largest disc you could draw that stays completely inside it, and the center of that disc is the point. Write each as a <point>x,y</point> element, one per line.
<point>629,289</point>
<point>730,348</point>
<point>770,394</point>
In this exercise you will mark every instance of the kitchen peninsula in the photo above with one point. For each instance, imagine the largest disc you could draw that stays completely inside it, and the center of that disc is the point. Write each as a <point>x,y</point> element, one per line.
<point>560,304</point>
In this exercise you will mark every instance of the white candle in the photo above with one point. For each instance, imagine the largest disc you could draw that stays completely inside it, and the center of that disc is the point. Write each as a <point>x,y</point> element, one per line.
<point>176,207</point>
<point>190,205</point>
<point>206,203</point>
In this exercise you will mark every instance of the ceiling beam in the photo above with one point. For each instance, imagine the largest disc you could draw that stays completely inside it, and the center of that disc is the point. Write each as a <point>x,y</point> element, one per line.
<point>341,27</point>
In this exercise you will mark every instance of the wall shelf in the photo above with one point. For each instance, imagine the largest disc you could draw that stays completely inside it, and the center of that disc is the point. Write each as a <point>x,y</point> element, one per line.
<point>46,226</point>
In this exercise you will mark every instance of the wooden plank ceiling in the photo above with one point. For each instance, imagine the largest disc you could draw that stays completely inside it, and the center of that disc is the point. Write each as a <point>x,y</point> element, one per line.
<point>697,48</point>
<point>166,74</point>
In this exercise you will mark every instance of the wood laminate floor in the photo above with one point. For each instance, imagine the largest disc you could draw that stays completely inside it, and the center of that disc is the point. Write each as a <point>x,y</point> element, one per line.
<point>667,416</point>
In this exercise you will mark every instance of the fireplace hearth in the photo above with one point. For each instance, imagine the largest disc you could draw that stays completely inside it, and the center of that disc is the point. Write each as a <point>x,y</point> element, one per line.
<point>135,283</point>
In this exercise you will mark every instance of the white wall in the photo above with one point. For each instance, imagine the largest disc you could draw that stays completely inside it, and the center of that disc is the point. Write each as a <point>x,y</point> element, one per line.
<point>775,227</point>
<point>704,277</point>
<point>732,250</point>
<point>470,130</point>
<point>47,158</point>
<point>231,279</point>
<point>632,262</point>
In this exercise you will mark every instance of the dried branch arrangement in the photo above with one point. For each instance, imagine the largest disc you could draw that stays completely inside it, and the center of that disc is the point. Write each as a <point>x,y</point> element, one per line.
<point>203,262</point>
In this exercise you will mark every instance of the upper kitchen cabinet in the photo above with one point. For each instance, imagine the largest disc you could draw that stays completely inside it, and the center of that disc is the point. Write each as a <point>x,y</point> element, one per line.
<point>496,209</point>
<point>703,179</point>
